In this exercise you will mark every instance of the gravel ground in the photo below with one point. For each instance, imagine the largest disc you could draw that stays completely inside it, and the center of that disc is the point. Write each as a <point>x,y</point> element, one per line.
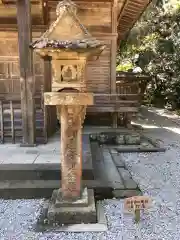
<point>158,176</point>
<point>18,220</point>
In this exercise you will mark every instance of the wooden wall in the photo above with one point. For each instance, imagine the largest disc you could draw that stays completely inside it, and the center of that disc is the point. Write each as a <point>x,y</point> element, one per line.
<point>96,17</point>
<point>98,72</point>
<point>9,64</point>
<point>8,12</point>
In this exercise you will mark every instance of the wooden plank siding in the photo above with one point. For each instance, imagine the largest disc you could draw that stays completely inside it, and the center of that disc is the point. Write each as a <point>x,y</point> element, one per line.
<point>11,120</point>
<point>98,72</point>
<point>8,13</point>
<point>90,15</point>
<point>100,18</point>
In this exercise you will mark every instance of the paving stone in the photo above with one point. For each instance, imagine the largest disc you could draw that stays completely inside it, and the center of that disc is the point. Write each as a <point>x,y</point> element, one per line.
<point>111,171</point>
<point>48,158</point>
<point>32,151</point>
<point>19,158</point>
<point>54,145</point>
<point>86,143</point>
<point>117,160</point>
<point>112,150</point>
<point>3,157</point>
<point>127,179</point>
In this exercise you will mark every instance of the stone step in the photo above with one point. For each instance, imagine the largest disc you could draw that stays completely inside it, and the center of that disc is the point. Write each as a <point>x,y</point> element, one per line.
<point>109,168</point>
<point>23,172</point>
<point>13,189</point>
<point>116,157</point>
<point>28,189</point>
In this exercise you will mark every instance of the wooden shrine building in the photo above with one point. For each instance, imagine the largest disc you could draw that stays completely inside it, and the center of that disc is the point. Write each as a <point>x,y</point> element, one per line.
<point>24,76</point>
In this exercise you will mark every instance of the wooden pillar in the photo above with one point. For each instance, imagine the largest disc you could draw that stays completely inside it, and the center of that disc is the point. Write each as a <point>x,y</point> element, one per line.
<point>47,88</point>
<point>26,72</point>
<point>113,55</point>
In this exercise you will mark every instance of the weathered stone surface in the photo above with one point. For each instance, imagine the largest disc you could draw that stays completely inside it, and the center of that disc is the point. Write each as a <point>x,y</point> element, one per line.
<point>73,214</point>
<point>18,158</point>
<point>62,98</point>
<point>119,139</point>
<point>48,158</point>
<point>103,138</point>
<point>111,171</point>
<point>117,159</point>
<point>100,226</point>
<point>132,139</point>
<point>120,193</point>
<point>113,150</point>
<point>60,202</point>
<point>127,179</point>
<point>93,137</point>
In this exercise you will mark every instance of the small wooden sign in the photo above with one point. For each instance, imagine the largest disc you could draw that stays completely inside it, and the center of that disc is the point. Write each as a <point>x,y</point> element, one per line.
<point>136,204</point>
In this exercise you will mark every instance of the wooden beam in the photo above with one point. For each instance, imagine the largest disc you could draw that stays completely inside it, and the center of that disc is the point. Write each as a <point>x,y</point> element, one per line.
<point>15,1</point>
<point>125,33</point>
<point>111,109</point>
<point>50,117</point>
<point>113,54</point>
<point>26,72</point>
<point>13,27</point>
<point>130,8</point>
<point>113,45</point>
<point>103,29</point>
<point>124,8</point>
<point>44,5</point>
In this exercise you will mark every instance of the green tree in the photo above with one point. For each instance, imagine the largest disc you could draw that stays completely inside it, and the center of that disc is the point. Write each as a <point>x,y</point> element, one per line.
<point>154,45</point>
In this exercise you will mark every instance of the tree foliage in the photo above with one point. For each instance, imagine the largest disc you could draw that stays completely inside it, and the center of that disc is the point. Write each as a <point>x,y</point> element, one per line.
<point>154,46</point>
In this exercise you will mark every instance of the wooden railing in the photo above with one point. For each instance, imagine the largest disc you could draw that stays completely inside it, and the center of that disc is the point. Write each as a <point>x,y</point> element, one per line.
<point>130,84</point>
<point>125,103</point>
<point>114,103</point>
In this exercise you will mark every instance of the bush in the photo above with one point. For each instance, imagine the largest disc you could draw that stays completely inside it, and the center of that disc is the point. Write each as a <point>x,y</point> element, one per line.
<point>154,46</point>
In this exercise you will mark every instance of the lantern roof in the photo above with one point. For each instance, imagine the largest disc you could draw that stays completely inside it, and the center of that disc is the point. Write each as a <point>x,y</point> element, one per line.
<point>66,32</point>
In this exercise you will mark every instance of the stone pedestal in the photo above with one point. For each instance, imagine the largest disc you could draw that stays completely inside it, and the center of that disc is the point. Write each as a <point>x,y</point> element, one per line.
<point>82,210</point>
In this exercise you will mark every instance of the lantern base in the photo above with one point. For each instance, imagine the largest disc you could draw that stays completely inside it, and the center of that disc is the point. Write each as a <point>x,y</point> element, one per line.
<point>82,210</point>
<point>58,200</point>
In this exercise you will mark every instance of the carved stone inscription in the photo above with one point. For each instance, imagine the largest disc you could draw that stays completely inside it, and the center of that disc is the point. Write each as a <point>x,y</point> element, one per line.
<point>71,148</point>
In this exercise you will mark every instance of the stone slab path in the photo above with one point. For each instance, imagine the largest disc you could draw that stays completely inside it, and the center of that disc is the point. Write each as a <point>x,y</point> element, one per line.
<point>42,154</point>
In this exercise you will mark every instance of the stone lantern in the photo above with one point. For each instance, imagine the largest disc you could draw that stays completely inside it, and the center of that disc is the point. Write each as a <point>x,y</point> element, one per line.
<point>69,46</point>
